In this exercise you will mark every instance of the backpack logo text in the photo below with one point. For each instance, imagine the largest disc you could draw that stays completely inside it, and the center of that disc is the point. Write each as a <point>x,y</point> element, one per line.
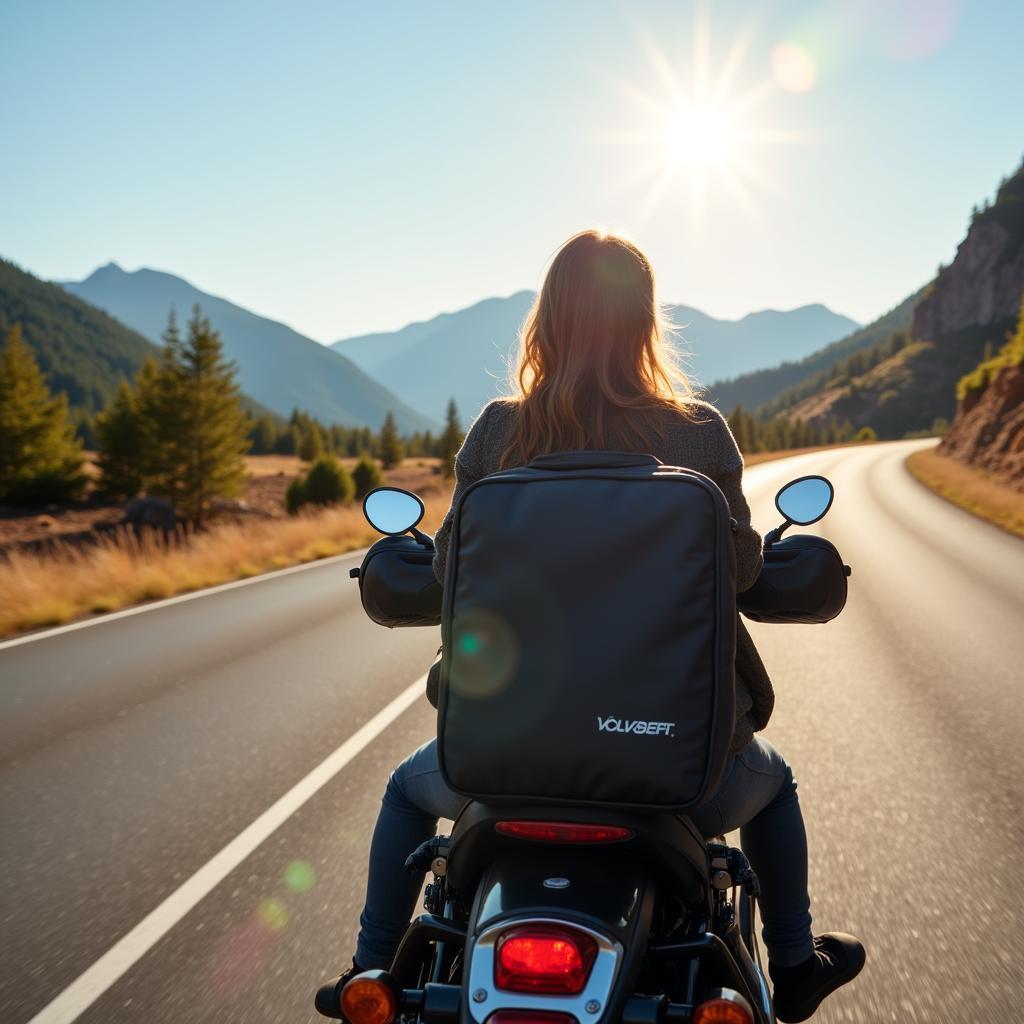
<point>638,728</point>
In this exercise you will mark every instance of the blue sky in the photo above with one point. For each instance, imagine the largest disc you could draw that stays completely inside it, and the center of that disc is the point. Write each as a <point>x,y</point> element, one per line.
<point>351,167</point>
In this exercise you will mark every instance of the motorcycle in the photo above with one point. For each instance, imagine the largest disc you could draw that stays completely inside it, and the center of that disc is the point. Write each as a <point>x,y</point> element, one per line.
<point>559,915</point>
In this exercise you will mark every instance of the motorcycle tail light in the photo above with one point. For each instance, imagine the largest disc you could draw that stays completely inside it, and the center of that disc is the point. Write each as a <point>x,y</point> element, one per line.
<point>368,999</point>
<point>726,1006</point>
<point>547,959</point>
<point>563,832</point>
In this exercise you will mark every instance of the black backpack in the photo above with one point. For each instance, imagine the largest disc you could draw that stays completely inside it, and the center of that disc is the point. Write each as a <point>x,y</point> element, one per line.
<point>589,633</point>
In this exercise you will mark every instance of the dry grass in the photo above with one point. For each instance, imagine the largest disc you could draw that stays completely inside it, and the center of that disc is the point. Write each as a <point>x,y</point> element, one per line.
<point>273,465</point>
<point>69,582</point>
<point>970,489</point>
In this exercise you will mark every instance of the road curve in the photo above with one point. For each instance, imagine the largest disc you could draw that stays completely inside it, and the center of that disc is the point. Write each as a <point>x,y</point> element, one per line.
<point>134,750</point>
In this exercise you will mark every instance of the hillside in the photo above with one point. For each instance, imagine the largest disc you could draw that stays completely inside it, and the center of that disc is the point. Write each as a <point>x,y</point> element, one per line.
<point>80,349</point>
<point>467,352</point>
<point>782,385</point>
<point>277,366</point>
<point>988,431</point>
<point>968,309</point>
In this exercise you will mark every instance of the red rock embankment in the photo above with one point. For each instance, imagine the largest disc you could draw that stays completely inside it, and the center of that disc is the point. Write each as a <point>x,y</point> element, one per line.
<point>988,432</point>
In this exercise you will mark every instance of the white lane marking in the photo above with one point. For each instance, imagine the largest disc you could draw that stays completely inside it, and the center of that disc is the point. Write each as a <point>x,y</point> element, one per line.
<point>88,987</point>
<point>99,620</point>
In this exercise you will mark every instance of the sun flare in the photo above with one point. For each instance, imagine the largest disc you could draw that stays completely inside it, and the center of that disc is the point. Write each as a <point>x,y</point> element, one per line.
<point>701,134</point>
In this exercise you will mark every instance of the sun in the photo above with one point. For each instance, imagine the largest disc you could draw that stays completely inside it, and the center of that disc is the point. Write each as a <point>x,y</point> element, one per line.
<point>699,134</point>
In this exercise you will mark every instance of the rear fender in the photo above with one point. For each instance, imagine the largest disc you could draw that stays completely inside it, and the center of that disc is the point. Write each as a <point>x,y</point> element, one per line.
<point>603,893</point>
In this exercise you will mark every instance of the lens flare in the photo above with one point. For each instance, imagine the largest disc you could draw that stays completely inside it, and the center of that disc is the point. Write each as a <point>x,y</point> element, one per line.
<point>272,913</point>
<point>299,876</point>
<point>917,28</point>
<point>793,68</point>
<point>700,136</point>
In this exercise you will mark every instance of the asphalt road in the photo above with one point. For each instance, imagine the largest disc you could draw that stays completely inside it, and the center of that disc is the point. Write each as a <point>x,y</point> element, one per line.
<point>135,750</point>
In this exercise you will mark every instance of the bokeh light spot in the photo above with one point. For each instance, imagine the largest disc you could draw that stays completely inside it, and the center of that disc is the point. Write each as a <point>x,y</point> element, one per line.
<point>299,876</point>
<point>916,28</point>
<point>272,913</point>
<point>793,68</point>
<point>469,643</point>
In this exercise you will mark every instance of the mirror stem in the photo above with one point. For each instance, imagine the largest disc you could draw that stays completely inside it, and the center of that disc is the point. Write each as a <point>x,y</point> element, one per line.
<point>422,538</point>
<point>774,535</point>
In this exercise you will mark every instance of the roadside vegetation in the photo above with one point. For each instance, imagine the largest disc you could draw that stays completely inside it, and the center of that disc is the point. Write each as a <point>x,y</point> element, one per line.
<point>179,437</point>
<point>971,489</point>
<point>758,434</point>
<point>63,582</point>
<point>40,458</point>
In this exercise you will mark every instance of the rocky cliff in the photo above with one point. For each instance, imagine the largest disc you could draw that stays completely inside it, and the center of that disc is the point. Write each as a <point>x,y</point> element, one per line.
<point>988,431</point>
<point>983,283</point>
<point>969,308</point>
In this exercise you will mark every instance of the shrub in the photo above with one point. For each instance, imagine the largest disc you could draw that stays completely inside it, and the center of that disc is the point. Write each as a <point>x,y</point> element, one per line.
<point>865,434</point>
<point>327,483</point>
<point>295,496</point>
<point>366,476</point>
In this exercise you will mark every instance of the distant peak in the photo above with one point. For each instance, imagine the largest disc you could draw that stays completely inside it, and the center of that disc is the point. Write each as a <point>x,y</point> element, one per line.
<point>110,269</point>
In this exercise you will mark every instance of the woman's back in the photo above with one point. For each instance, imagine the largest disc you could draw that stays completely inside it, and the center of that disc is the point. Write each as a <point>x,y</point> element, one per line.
<point>697,438</point>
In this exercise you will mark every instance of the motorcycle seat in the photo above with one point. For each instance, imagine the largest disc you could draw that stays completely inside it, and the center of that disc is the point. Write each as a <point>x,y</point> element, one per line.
<point>670,843</point>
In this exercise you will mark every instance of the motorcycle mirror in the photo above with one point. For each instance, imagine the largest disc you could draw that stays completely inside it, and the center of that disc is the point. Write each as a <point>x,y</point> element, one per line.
<point>392,511</point>
<point>806,500</point>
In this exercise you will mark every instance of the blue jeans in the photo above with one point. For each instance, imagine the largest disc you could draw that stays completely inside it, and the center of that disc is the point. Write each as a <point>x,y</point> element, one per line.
<point>757,795</point>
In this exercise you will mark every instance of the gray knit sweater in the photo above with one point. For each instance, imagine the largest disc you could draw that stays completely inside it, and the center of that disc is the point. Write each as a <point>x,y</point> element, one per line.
<point>703,443</point>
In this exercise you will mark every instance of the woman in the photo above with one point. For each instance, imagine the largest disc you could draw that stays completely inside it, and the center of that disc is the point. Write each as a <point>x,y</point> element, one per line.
<point>594,373</point>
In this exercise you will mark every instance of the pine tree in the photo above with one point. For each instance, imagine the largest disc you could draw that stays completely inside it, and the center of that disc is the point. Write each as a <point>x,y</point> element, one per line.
<point>451,440</point>
<point>216,431</point>
<point>391,448</point>
<point>121,456</point>
<point>740,429</point>
<point>312,445</point>
<point>163,420</point>
<point>288,442</point>
<point>40,459</point>
<point>263,434</point>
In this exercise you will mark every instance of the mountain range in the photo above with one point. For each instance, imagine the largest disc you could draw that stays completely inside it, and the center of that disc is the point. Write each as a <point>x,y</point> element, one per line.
<point>466,354</point>
<point>277,366</point>
<point>81,350</point>
<point>896,375</point>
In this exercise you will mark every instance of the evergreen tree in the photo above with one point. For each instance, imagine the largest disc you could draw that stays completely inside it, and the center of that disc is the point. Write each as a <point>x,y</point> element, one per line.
<point>451,440</point>
<point>118,436</point>
<point>215,426</point>
<point>160,402</point>
<point>391,448</point>
<point>40,459</point>
<point>288,442</point>
<point>312,446</point>
<point>741,429</point>
<point>263,434</point>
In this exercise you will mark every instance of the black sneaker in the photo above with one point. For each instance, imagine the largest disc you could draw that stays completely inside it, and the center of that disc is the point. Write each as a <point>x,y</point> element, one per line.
<point>328,996</point>
<point>799,990</point>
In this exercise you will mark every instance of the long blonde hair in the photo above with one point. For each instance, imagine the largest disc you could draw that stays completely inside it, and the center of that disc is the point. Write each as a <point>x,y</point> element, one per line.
<point>594,370</point>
